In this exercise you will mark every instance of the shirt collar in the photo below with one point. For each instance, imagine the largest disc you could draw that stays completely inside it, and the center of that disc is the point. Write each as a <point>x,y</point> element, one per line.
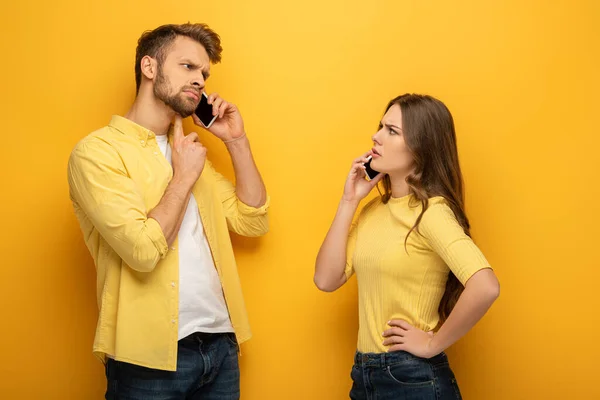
<point>130,128</point>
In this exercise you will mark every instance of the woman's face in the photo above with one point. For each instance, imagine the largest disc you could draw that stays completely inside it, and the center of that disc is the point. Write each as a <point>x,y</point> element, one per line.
<point>390,153</point>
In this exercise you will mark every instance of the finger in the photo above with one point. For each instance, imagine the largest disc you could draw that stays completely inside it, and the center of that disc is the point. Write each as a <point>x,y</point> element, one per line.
<point>361,159</point>
<point>359,165</point>
<point>200,148</point>
<point>400,323</point>
<point>393,340</point>
<point>397,347</point>
<point>394,332</point>
<point>177,129</point>
<point>358,170</point>
<point>365,156</point>
<point>212,97</point>
<point>216,106</point>
<point>192,137</point>
<point>224,107</point>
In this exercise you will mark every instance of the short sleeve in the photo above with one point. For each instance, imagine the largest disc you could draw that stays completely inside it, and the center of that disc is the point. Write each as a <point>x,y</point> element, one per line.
<point>447,238</point>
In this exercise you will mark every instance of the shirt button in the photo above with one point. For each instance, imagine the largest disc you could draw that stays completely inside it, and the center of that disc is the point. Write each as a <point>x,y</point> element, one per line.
<point>156,153</point>
<point>173,284</point>
<point>142,142</point>
<point>173,321</point>
<point>172,248</point>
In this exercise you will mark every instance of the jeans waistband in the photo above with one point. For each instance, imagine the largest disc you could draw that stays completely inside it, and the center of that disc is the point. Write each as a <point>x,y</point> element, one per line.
<point>204,336</point>
<point>382,360</point>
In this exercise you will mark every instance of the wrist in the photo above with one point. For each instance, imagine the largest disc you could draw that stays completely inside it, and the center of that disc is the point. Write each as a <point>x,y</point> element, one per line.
<point>434,347</point>
<point>181,183</point>
<point>350,203</point>
<point>237,139</point>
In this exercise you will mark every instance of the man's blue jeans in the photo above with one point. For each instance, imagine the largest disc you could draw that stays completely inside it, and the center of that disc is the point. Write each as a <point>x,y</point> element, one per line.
<point>207,369</point>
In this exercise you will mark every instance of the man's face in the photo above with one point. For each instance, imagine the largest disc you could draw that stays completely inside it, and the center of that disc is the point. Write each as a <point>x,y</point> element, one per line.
<point>181,77</point>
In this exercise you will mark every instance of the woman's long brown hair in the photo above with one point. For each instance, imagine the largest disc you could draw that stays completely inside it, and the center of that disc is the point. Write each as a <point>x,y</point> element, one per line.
<point>428,130</point>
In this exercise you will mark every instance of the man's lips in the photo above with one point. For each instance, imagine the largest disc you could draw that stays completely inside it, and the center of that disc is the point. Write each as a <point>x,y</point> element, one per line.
<point>192,93</point>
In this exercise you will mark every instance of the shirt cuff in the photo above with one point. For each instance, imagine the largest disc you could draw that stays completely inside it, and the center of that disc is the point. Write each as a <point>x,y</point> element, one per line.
<point>249,211</point>
<point>157,236</point>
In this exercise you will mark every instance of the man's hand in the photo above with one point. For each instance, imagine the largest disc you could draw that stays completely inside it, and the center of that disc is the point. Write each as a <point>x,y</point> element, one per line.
<point>188,156</point>
<point>229,124</point>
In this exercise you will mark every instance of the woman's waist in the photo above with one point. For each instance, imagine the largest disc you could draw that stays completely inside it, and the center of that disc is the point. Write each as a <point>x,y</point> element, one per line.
<point>387,359</point>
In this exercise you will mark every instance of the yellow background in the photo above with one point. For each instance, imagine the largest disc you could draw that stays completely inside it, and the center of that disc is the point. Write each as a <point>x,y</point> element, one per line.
<point>312,78</point>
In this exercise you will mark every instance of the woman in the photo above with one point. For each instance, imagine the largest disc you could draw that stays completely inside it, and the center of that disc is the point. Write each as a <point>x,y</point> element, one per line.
<point>418,270</point>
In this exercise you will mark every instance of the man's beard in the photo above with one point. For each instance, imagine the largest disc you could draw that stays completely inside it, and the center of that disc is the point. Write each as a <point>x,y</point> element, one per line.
<point>177,102</point>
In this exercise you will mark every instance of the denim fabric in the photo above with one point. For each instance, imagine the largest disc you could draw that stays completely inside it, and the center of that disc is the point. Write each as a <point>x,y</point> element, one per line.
<point>402,376</point>
<point>207,369</point>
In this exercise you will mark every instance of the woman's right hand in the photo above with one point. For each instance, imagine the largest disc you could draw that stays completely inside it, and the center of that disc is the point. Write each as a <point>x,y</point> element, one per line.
<point>357,187</point>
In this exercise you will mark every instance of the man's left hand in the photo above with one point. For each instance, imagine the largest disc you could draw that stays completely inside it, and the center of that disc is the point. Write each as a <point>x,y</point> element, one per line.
<point>229,124</point>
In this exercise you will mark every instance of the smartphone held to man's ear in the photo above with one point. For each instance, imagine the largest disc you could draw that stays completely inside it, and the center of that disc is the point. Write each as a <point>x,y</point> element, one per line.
<point>204,111</point>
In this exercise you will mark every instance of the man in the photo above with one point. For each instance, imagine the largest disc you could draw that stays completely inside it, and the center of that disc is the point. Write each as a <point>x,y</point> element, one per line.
<point>156,218</point>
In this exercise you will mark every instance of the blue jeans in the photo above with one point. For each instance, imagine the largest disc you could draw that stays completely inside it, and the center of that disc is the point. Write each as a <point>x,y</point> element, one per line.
<point>402,376</point>
<point>207,369</point>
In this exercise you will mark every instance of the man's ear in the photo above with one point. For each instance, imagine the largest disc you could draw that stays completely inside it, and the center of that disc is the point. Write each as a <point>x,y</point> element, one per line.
<point>149,67</point>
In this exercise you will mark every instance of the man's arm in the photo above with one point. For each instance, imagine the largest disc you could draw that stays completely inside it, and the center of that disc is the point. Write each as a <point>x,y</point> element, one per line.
<point>246,204</point>
<point>100,185</point>
<point>249,186</point>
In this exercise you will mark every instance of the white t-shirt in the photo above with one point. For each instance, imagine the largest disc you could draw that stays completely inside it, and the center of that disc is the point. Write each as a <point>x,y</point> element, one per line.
<point>202,306</point>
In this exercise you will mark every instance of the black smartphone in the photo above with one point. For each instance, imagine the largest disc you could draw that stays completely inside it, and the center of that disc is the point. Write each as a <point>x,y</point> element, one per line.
<point>371,173</point>
<point>204,111</point>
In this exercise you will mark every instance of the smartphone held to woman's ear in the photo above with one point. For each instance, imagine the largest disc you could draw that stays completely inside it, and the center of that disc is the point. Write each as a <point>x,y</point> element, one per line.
<point>370,172</point>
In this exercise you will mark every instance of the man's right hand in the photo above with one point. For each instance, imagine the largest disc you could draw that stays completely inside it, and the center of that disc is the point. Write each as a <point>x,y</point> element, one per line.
<point>188,155</point>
